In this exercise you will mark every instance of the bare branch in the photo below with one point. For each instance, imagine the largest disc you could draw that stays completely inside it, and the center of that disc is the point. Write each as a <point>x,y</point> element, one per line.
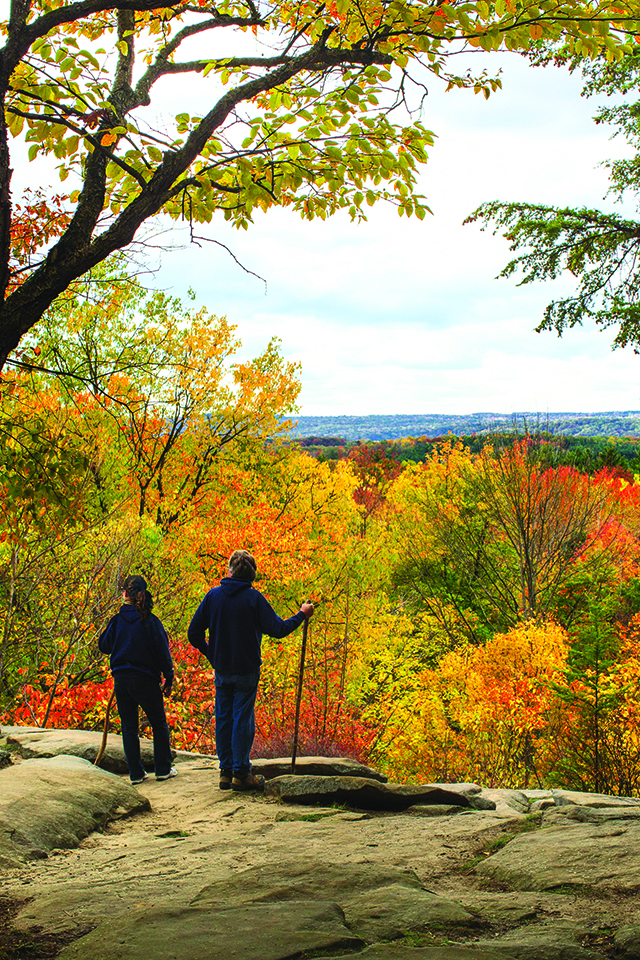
<point>197,240</point>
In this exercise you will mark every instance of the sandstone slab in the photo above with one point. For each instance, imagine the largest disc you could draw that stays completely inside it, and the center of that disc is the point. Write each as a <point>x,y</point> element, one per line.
<point>56,803</point>
<point>627,942</point>
<point>503,909</point>
<point>270,931</point>
<point>563,797</point>
<point>477,797</point>
<point>390,912</point>
<point>35,743</point>
<point>605,857</point>
<point>315,767</point>
<point>554,941</point>
<point>436,809</point>
<point>303,879</point>
<point>557,940</point>
<point>38,742</point>
<point>508,802</point>
<point>588,814</point>
<point>361,792</point>
<point>444,951</point>
<point>303,814</point>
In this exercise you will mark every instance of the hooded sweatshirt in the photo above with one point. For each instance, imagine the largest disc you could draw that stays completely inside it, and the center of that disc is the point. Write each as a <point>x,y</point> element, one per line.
<point>236,616</point>
<point>137,646</point>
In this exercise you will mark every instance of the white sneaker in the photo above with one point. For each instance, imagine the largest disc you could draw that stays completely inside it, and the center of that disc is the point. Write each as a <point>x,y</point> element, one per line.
<point>167,776</point>
<point>144,777</point>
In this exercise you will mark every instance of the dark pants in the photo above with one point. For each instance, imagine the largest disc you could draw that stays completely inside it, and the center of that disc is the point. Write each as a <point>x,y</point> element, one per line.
<point>235,720</point>
<point>133,691</point>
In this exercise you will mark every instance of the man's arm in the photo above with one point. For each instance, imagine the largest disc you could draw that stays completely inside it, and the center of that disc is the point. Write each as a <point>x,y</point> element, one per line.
<point>273,625</point>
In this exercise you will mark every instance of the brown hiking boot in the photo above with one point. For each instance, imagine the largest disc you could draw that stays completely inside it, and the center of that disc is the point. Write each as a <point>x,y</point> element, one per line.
<point>247,781</point>
<point>225,780</point>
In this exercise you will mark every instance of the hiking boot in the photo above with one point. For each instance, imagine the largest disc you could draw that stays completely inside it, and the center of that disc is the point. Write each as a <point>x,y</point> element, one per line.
<point>225,779</point>
<point>145,776</point>
<point>247,781</point>
<point>167,776</point>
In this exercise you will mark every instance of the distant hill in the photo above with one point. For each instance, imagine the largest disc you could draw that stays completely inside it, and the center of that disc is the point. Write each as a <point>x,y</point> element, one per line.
<point>619,423</point>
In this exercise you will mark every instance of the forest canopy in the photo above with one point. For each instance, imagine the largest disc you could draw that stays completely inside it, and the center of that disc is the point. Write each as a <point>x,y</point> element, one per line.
<point>478,607</point>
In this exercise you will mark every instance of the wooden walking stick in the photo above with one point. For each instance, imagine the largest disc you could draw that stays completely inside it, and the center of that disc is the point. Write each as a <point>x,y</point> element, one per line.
<point>294,749</point>
<point>103,745</point>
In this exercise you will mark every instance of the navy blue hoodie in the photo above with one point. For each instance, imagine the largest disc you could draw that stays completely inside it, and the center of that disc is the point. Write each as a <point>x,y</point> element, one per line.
<point>236,616</point>
<point>137,646</point>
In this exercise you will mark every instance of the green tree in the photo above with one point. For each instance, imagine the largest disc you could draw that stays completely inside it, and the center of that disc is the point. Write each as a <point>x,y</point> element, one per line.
<point>302,118</point>
<point>591,692</point>
<point>600,249</point>
<point>151,390</point>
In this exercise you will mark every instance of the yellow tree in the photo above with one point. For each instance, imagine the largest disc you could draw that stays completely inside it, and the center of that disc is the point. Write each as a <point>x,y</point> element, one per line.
<point>156,387</point>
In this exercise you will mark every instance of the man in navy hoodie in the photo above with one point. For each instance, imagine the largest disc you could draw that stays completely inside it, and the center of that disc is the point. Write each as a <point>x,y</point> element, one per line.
<point>236,616</point>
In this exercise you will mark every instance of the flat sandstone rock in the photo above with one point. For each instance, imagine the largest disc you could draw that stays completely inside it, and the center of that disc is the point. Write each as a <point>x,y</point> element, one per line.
<point>580,855</point>
<point>364,793</point>
<point>390,912</point>
<point>308,879</point>
<point>266,931</point>
<point>316,767</point>
<point>56,803</point>
<point>33,743</point>
<point>398,951</point>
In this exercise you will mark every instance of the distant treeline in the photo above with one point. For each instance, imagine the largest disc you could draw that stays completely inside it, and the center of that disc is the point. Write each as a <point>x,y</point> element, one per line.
<point>586,454</point>
<point>620,423</point>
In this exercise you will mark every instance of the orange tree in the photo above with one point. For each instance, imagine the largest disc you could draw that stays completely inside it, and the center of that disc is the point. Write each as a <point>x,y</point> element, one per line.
<point>302,117</point>
<point>485,541</point>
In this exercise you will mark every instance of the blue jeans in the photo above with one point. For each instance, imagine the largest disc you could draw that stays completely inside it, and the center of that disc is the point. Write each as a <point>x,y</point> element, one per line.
<point>235,720</point>
<point>133,691</point>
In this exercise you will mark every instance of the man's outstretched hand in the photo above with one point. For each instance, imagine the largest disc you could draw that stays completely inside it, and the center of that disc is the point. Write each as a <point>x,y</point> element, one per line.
<point>307,609</point>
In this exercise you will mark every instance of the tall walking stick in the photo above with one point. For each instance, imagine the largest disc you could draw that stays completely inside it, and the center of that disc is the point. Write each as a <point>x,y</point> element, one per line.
<point>294,749</point>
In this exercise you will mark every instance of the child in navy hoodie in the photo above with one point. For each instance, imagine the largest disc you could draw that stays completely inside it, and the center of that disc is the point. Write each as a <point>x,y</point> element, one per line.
<point>140,656</point>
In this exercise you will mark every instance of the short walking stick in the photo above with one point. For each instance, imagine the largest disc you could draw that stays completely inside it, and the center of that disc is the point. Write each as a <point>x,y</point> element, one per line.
<point>103,745</point>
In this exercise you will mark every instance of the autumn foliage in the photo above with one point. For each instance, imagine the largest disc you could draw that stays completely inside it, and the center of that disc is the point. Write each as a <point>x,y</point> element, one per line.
<point>478,614</point>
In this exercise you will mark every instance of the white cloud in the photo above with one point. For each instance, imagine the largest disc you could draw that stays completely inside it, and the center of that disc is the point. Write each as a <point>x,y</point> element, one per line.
<point>398,315</point>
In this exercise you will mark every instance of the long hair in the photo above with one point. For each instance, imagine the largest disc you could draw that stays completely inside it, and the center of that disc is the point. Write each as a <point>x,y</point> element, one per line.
<point>135,590</point>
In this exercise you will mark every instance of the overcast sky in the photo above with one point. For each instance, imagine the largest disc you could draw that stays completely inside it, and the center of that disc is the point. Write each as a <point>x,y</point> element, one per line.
<point>402,316</point>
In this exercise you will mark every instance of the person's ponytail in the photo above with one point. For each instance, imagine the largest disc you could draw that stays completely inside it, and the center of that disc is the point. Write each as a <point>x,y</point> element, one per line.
<point>135,590</point>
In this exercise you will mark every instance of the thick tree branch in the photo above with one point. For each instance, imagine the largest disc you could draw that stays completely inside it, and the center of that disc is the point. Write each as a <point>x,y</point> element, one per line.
<point>76,252</point>
<point>163,65</point>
